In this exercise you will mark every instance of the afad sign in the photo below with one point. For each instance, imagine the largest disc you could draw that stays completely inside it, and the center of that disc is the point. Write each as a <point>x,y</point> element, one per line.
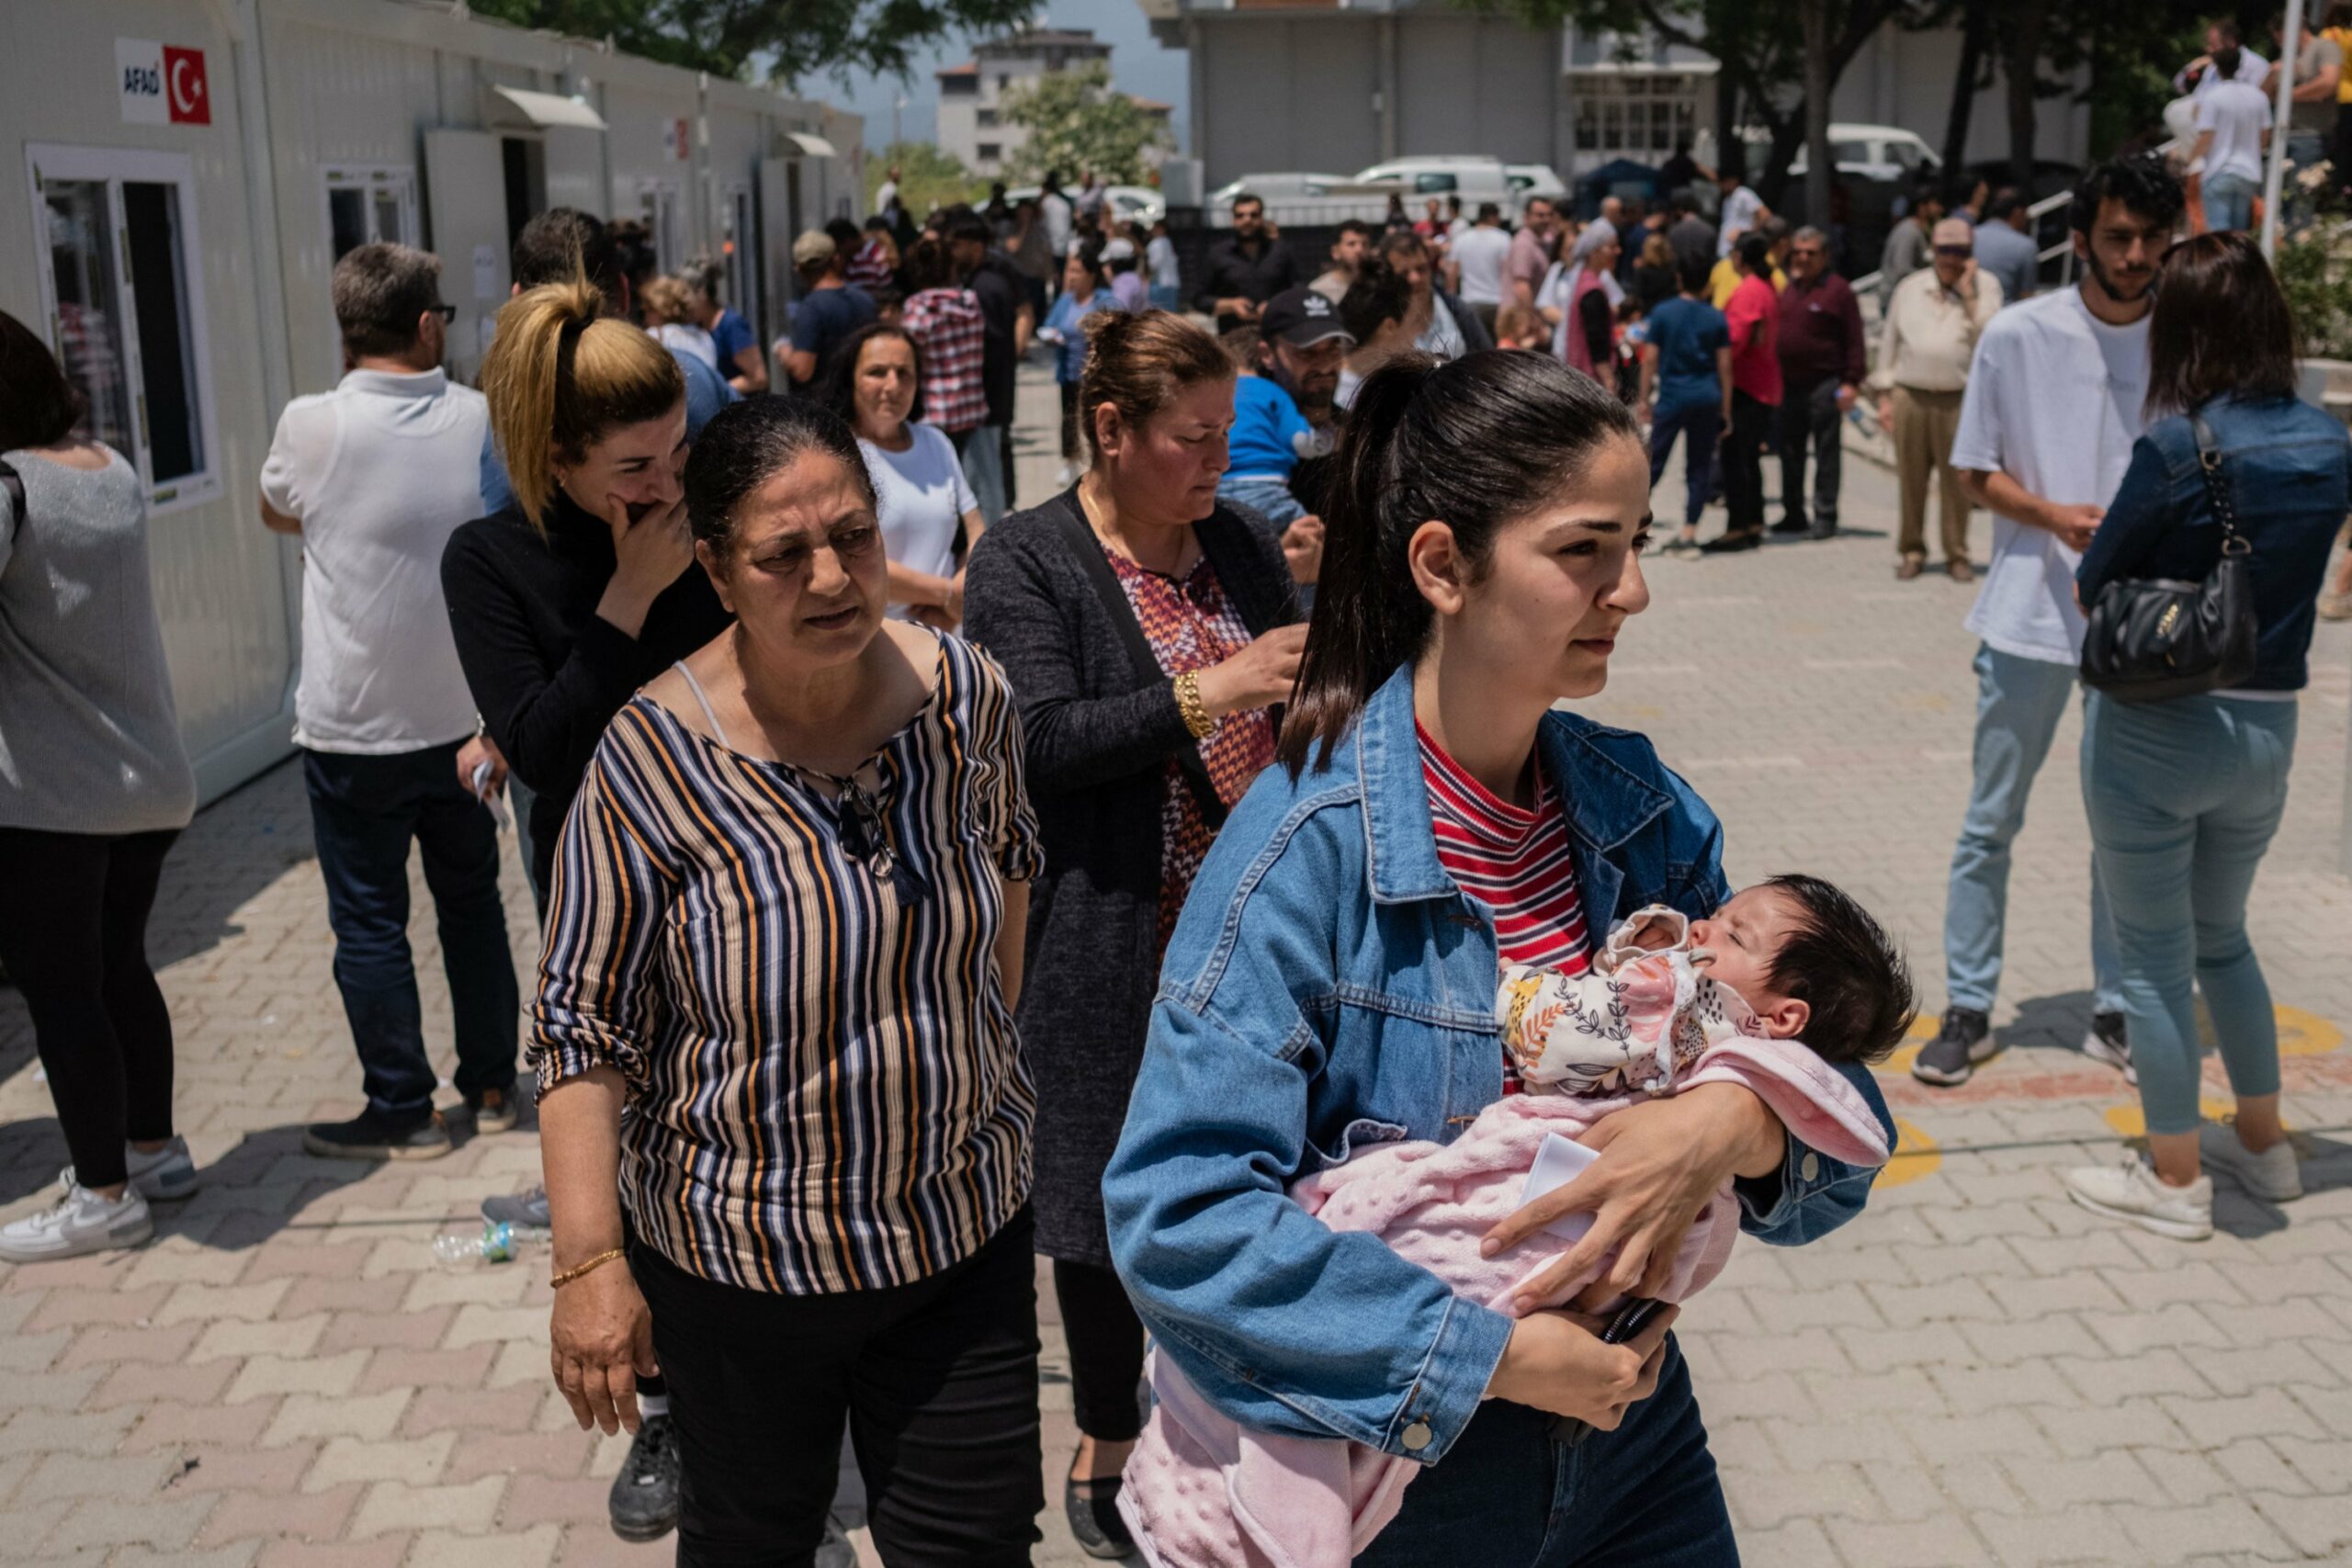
<point>161,85</point>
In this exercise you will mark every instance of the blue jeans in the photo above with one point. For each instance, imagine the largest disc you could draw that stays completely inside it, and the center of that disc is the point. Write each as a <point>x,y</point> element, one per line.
<point>2184,796</point>
<point>984,470</point>
<point>365,812</point>
<point>1508,1494</point>
<point>1271,499</point>
<point>2019,704</point>
<point>1165,297</point>
<point>1699,425</point>
<point>2228,202</point>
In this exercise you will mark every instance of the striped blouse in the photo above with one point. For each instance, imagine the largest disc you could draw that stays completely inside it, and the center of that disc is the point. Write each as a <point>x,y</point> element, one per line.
<point>828,1093</point>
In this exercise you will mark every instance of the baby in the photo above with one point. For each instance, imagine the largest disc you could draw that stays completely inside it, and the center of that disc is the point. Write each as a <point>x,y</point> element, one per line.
<point>1790,958</point>
<point>1670,1003</point>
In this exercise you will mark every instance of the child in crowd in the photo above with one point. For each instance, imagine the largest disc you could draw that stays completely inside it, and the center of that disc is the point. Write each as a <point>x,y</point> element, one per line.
<point>1782,983</point>
<point>1518,326</point>
<point>1630,331</point>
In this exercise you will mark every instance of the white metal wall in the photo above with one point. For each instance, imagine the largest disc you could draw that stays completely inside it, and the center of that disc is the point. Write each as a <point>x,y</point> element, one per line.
<point>1474,85</point>
<point>1289,95</point>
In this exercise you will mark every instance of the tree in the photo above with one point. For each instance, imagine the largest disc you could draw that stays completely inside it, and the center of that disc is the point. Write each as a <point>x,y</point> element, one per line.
<point>929,177</point>
<point>1074,121</point>
<point>791,38</point>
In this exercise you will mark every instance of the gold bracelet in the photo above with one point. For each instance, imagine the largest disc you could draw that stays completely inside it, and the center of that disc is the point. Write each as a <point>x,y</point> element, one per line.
<point>1189,704</point>
<point>569,1275</point>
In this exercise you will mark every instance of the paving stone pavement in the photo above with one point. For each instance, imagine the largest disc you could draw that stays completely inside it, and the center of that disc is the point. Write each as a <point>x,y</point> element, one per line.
<point>1974,1372</point>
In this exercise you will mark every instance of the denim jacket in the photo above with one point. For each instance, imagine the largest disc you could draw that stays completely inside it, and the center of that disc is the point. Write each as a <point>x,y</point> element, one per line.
<point>1330,987</point>
<point>2289,469</point>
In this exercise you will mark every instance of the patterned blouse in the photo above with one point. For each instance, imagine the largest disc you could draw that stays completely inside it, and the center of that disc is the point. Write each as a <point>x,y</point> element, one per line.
<point>1191,625</point>
<point>829,1094</point>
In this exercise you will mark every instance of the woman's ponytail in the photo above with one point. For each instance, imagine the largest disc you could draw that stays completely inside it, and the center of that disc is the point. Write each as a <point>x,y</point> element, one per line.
<point>557,378</point>
<point>1472,443</point>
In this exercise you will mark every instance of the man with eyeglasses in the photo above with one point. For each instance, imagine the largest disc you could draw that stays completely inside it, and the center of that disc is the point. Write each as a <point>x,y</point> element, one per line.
<point>373,478</point>
<point>1247,268</point>
<point>1925,347</point>
<point>1822,365</point>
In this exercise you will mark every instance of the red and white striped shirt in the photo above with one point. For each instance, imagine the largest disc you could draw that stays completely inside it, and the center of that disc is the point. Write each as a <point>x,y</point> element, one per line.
<point>1514,861</point>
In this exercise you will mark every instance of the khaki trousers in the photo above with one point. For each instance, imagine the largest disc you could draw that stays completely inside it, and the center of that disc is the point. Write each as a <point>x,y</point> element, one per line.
<point>1925,426</point>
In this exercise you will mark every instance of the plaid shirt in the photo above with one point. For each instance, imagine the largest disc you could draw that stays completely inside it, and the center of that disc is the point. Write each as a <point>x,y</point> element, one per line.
<point>946,326</point>
<point>870,268</point>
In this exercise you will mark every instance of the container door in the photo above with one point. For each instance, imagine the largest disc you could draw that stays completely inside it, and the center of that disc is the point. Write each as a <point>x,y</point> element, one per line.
<point>465,181</point>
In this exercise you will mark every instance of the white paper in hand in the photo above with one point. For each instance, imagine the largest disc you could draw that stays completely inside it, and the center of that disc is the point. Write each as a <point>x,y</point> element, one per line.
<point>1557,1162</point>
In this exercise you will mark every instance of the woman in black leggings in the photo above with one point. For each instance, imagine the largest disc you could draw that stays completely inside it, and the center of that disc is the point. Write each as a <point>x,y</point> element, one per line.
<point>93,787</point>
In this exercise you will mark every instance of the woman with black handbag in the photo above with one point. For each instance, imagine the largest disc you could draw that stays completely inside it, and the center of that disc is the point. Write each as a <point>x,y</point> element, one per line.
<point>2200,584</point>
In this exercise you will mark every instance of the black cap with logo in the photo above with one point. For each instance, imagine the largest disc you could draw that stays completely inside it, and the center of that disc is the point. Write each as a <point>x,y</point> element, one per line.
<point>1301,318</point>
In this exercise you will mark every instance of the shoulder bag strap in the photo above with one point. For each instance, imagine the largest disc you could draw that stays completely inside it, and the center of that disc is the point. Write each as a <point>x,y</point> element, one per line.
<point>2217,485</point>
<point>14,483</point>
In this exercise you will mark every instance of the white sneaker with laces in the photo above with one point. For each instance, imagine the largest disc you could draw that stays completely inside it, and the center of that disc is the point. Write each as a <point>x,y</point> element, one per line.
<point>79,1222</point>
<point>2272,1175</point>
<point>2132,1192</point>
<point>164,1176</point>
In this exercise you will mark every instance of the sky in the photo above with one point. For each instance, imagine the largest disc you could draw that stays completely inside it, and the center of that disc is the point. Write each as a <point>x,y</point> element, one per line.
<point>1138,65</point>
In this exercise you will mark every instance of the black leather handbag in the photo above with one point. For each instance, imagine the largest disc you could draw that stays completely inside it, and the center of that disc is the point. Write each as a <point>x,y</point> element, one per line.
<point>2154,637</point>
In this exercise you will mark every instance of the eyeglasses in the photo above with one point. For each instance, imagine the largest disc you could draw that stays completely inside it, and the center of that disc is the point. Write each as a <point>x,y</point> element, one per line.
<point>449,314</point>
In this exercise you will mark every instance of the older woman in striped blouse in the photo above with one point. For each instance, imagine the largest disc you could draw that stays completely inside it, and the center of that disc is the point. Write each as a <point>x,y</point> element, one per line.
<point>785,934</point>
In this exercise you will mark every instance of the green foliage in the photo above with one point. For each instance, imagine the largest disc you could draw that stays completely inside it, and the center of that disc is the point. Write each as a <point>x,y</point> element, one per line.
<point>929,177</point>
<point>791,38</point>
<point>1074,121</point>
<point>2314,267</point>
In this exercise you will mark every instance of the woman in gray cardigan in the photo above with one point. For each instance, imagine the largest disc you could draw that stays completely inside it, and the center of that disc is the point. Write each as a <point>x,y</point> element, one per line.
<point>1149,633</point>
<point>93,787</point>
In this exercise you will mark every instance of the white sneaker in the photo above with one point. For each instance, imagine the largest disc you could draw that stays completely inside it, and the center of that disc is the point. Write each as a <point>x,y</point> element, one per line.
<point>2272,1175</point>
<point>78,1223</point>
<point>2132,1192</point>
<point>164,1176</point>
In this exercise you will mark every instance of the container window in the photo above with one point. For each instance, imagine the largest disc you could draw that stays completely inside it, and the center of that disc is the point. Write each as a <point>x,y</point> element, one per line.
<point>90,341</point>
<point>347,220</point>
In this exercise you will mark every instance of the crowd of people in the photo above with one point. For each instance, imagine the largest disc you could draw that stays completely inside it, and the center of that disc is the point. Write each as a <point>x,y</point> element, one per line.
<point>927,883</point>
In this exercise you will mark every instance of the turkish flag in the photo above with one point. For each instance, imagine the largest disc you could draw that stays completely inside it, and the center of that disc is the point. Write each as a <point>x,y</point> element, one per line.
<point>183,86</point>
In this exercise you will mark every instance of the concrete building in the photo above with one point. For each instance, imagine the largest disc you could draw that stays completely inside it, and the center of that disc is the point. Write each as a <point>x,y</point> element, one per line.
<point>1322,85</point>
<point>971,96</point>
<point>194,171</point>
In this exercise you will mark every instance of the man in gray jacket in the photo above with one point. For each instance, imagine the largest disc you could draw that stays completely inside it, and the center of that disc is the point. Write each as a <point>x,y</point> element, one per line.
<point>1906,247</point>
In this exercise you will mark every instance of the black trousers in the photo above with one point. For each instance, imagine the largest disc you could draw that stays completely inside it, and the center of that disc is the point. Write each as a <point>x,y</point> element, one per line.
<point>1105,1350</point>
<point>1808,416</point>
<point>1070,421</point>
<point>1742,458</point>
<point>74,936</point>
<point>938,1380</point>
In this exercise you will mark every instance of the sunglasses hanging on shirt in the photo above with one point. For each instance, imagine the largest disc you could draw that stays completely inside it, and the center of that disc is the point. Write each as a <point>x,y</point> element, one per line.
<point>864,834</point>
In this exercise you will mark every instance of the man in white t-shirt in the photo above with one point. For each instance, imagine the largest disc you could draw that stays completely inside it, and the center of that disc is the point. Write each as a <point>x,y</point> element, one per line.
<point>1742,209</point>
<point>2233,130</point>
<point>2046,430</point>
<point>2200,76</point>
<point>373,478</point>
<point>1477,258</point>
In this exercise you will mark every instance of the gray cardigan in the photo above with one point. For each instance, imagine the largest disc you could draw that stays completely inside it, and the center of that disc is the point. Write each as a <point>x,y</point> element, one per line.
<point>89,737</point>
<point>1099,724</point>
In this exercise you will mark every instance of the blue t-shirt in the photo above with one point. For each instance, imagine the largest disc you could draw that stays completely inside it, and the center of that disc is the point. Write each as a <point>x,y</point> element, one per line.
<point>823,317</point>
<point>1266,426</point>
<point>706,393</point>
<point>1686,332</point>
<point>1069,354</point>
<point>730,334</point>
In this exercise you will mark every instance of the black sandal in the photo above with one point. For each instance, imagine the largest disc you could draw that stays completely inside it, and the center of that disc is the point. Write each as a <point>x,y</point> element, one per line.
<point>1092,1509</point>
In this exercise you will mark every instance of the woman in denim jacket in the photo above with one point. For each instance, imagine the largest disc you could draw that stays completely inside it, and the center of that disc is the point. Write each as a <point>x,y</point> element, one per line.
<point>1331,984</point>
<point>2184,795</point>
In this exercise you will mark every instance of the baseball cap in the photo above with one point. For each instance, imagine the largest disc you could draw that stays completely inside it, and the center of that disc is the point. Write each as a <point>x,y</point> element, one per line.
<point>1301,318</point>
<point>813,246</point>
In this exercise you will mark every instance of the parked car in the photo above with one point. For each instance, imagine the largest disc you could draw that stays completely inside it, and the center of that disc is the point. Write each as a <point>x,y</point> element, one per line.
<point>1129,204</point>
<point>1529,180</point>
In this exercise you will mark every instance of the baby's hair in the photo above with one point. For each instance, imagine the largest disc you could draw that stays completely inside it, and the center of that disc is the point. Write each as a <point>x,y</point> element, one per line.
<point>1841,963</point>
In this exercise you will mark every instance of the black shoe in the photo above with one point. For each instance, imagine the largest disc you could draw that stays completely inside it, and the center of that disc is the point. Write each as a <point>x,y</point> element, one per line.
<point>1822,531</point>
<point>1964,1039</point>
<point>643,1502</point>
<point>492,1110</point>
<point>370,1136</point>
<point>1791,525</point>
<point>2109,1042</point>
<point>1092,1509</point>
<point>1729,544</point>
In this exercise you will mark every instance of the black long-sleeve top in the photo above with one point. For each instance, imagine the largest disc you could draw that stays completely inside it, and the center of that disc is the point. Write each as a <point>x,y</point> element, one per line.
<point>546,670</point>
<point>1237,271</point>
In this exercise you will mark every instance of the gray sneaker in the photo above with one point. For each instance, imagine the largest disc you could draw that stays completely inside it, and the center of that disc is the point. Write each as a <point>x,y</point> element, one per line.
<point>524,1211</point>
<point>2272,1175</point>
<point>79,1222</point>
<point>164,1177</point>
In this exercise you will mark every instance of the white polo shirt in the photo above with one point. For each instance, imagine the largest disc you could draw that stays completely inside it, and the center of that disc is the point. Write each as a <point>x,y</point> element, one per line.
<point>379,472</point>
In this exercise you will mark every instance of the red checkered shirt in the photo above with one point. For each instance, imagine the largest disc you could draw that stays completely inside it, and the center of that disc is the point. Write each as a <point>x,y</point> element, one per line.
<point>870,268</point>
<point>949,338</point>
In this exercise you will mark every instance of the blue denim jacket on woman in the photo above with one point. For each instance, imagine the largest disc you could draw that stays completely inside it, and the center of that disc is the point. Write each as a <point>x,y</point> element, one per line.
<point>1330,987</point>
<point>2289,468</point>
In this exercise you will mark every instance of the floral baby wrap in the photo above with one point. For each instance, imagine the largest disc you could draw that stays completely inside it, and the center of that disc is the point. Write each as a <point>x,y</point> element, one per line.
<point>1634,1024</point>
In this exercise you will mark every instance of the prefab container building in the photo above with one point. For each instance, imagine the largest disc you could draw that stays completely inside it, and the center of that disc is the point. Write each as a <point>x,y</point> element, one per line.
<point>193,170</point>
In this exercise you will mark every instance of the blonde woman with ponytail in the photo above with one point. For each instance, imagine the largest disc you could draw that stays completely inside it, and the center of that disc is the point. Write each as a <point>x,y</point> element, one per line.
<point>582,589</point>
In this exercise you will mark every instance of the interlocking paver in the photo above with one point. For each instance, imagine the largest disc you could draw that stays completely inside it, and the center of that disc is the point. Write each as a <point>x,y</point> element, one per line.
<point>1974,1373</point>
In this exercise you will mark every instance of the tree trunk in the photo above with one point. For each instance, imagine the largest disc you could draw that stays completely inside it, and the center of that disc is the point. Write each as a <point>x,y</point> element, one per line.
<point>1814,17</point>
<point>1727,143</point>
<point>1974,23</point>
<point>2020,60</point>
